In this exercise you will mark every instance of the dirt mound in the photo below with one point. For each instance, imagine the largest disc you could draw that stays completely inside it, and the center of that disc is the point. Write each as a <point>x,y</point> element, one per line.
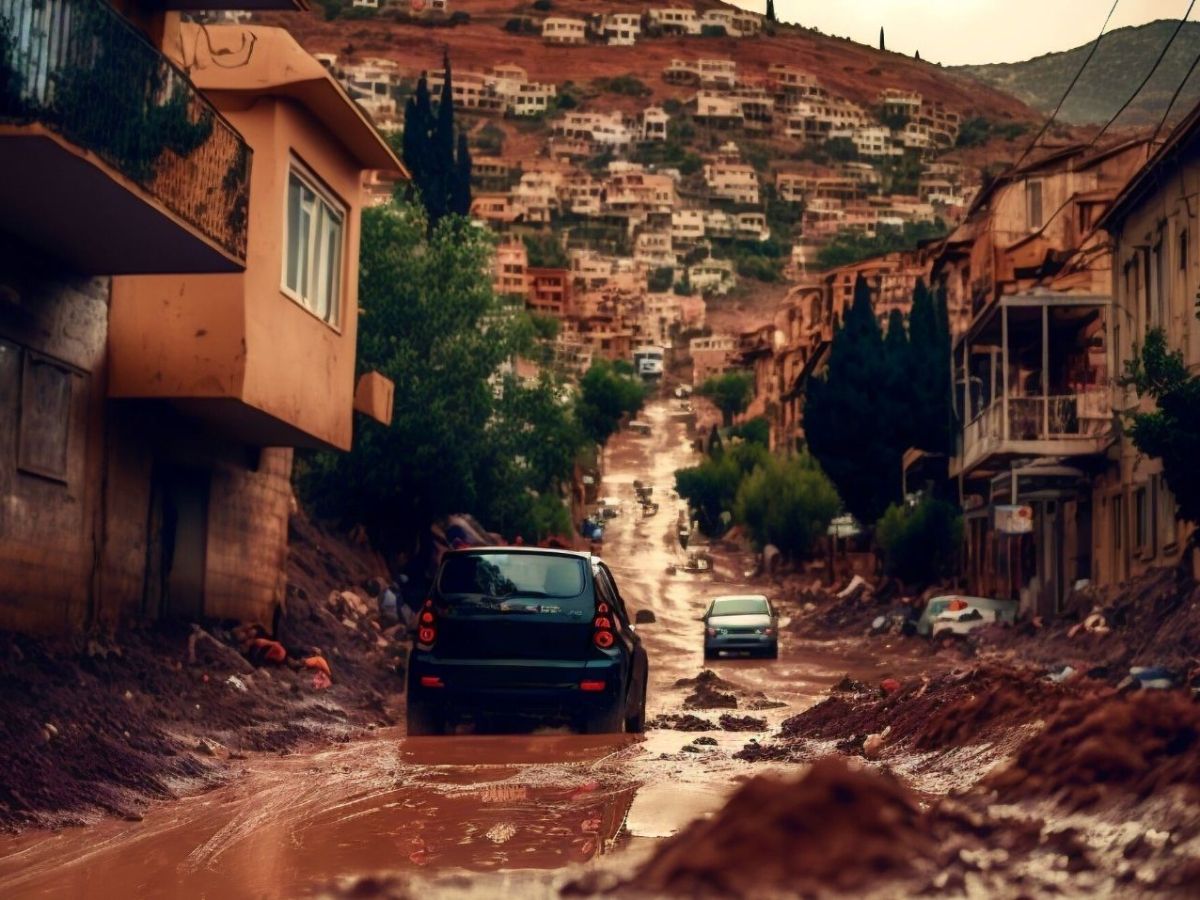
<point>949,710</point>
<point>742,723</point>
<point>707,678</point>
<point>838,828</point>
<point>1139,743</point>
<point>106,725</point>
<point>686,722</point>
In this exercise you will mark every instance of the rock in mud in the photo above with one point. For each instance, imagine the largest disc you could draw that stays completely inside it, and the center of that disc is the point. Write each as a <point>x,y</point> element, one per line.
<point>741,723</point>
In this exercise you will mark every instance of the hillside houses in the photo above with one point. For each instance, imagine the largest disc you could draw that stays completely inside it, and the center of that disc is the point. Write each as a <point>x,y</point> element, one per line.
<point>563,30</point>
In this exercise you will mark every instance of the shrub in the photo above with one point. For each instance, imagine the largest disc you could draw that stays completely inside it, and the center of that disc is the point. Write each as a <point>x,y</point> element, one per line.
<point>713,31</point>
<point>787,502</point>
<point>542,5</point>
<point>458,17</point>
<point>920,542</point>
<point>660,280</point>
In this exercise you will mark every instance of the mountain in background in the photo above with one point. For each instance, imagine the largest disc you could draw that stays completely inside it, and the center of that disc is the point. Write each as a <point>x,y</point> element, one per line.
<point>1121,62</point>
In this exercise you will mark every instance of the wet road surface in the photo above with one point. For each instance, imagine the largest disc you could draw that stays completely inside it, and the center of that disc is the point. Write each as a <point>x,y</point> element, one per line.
<point>526,810</point>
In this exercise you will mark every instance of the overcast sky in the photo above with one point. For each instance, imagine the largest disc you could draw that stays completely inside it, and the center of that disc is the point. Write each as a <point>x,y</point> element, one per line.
<point>955,32</point>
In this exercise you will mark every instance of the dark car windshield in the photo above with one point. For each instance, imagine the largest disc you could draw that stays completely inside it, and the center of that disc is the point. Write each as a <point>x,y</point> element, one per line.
<point>501,577</point>
<point>740,606</point>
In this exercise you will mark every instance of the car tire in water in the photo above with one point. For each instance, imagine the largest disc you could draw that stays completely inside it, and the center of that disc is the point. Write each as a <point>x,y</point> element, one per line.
<point>611,721</point>
<point>421,721</point>
<point>635,723</point>
<point>773,653</point>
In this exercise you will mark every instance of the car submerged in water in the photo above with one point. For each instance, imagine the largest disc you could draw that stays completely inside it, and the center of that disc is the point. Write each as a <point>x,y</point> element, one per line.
<point>526,633</point>
<point>743,624</point>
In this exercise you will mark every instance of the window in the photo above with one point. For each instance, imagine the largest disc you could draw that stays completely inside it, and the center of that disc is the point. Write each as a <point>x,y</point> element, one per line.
<point>1158,287</point>
<point>45,418</point>
<point>312,274</point>
<point>1118,522</point>
<point>1183,250</point>
<point>1143,522</point>
<point>1033,204</point>
<point>1164,503</point>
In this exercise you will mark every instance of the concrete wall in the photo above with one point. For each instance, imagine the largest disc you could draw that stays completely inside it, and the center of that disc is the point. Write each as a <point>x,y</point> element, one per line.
<point>47,519</point>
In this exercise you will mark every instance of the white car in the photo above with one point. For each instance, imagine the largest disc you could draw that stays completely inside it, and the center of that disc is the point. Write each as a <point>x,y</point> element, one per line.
<point>962,621</point>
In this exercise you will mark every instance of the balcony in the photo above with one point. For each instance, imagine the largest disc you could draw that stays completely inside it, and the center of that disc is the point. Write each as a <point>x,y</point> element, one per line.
<point>113,161</point>
<point>1033,382</point>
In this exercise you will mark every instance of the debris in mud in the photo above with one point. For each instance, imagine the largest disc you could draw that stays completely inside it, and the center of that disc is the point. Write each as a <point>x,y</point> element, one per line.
<point>711,691</point>
<point>1098,746</point>
<point>840,828</point>
<point>741,723</point>
<point>685,722</point>
<point>705,741</point>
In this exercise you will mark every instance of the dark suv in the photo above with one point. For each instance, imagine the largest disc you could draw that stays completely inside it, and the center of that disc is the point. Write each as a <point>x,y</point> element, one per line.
<point>529,633</point>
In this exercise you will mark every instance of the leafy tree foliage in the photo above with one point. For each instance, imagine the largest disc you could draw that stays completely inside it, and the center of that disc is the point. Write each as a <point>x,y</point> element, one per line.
<point>921,542</point>
<point>849,247</point>
<point>929,410</point>
<point>755,431</point>
<point>771,11</point>
<point>711,488</point>
<point>788,502</point>
<point>846,415</point>
<point>544,251</point>
<point>729,392</point>
<point>1171,431</point>
<point>440,175</point>
<point>432,323</point>
<point>607,393</point>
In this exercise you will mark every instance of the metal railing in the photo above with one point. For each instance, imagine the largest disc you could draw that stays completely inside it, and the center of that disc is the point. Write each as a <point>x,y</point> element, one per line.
<point>1080,416</point>
<point>80,69</point>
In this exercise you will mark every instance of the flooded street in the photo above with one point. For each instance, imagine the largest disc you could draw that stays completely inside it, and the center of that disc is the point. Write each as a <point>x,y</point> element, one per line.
<point>529,810</point>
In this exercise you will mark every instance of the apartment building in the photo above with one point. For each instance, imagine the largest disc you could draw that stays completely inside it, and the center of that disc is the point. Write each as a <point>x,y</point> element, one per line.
<point>652,124</point>
<point>601,131</point>
<point>675,20</point>
<point>687,227</point>
<point>736,181</point>
<point>1155,284</point>
<point>165,345</point>
<point>563,30</point>
<point>510,268</point>
<point>1033,369</point>
<point>498,210</point>
<point>712,276</point>
<point>471,90</point>
<point>711,355</point>
<point>549,291</point>
<point>654,250</point>
<point>621,29</point>
<point>793,82</point>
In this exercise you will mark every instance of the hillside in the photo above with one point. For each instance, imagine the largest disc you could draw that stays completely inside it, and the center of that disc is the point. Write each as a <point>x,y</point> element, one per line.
<point>855,71</point>
<point>1121,62</point>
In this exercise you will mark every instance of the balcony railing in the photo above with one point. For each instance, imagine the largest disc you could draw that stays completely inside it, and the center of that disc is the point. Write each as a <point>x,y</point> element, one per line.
<point>1081,418</point>
<point>82,71</point>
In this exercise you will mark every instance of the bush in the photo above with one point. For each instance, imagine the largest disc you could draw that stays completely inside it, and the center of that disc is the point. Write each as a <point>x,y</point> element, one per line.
<point>788,502</point>
<point>542,5</point>
<point>712,31</point>
<point>660,280</point>
<point>545,252</point>
<point>627,85</point>
<point>730,393</point>
<point>756,431</point>
<point>759,268</point>
<point>711,488</point>
<point>920,543</point>
<point>521,25</point>
<point>458,17</point>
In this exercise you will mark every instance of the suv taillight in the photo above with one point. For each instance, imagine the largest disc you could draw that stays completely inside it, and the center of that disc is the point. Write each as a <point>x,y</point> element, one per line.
<point>426,626</point>
<point>602,627</point>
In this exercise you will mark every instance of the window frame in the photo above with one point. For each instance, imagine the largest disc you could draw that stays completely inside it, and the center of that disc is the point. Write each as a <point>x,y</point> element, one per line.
<point>29,358</point>
<point>309,179</point>
<point>1035,186</point>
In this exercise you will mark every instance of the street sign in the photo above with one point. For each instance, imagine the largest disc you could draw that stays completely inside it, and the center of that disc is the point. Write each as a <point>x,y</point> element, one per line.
<point>1014,519</point>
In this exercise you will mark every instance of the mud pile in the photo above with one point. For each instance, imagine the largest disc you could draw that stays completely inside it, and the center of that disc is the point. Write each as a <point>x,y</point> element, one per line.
<point>840,828</point>
<point>1153,621</point>
<point>711,691</point>
<point>107,724</point>
<point>949,710</point>
<point>1099,747</point>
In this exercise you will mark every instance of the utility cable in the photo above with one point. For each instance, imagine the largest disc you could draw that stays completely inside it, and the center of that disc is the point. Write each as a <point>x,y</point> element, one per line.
<point>1154,68</point>
<point>1174,97</point>
<point>1070,87</point>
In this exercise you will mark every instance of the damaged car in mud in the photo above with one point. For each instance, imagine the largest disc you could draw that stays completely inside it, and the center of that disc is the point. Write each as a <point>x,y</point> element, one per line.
<point>517,633</point>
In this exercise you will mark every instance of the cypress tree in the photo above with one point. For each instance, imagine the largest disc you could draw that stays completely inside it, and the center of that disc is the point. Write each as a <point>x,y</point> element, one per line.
<point>882,43</point>
<point>898,385</point>
<point>460,195</point>
<point>929,338</point>
<point>846,415</point>
<point>771,11</point>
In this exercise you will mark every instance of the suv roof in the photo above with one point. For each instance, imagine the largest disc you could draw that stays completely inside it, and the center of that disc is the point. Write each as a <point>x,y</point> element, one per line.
<point>539,551</point>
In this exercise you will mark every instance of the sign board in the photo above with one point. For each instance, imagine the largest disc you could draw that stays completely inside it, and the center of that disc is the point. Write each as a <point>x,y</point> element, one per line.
<point>1014,519</point>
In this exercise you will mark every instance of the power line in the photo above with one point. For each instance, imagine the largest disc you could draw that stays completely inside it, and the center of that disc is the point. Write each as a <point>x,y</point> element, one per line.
<point>1162,54</point>
<point>1175,96</point>
<point>1070,87</point>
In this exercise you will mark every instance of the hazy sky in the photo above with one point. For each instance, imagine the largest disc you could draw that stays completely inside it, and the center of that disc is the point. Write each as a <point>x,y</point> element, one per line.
<point>972,31</point>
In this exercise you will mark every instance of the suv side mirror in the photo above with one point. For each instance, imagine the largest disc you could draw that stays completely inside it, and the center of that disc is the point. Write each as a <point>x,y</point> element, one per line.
<point>644,617</point>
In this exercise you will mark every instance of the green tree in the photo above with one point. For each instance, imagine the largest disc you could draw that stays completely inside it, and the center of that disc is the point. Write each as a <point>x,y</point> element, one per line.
<point>921,542</point>
<point>1171,431</point>
<point>845,414</point>
<point>730,393</point>
<point>544,251</point>
<point>441,177</point>
<point>432,323</point>
<point>929,371</point>
<point>788,502</point>
<point>711,487</point>
<point>607,393</point>
<point>771,11</point>
<point>898,372</point>
<point>755,431</point>
<point>659,281</point>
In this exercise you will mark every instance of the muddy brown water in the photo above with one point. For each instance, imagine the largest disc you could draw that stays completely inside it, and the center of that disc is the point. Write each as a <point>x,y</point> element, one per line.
<point>482,813</point>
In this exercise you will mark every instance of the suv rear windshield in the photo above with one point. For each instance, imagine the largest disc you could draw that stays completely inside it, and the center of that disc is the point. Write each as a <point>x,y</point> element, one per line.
<point>740,606</point>
<point>500,577</point>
